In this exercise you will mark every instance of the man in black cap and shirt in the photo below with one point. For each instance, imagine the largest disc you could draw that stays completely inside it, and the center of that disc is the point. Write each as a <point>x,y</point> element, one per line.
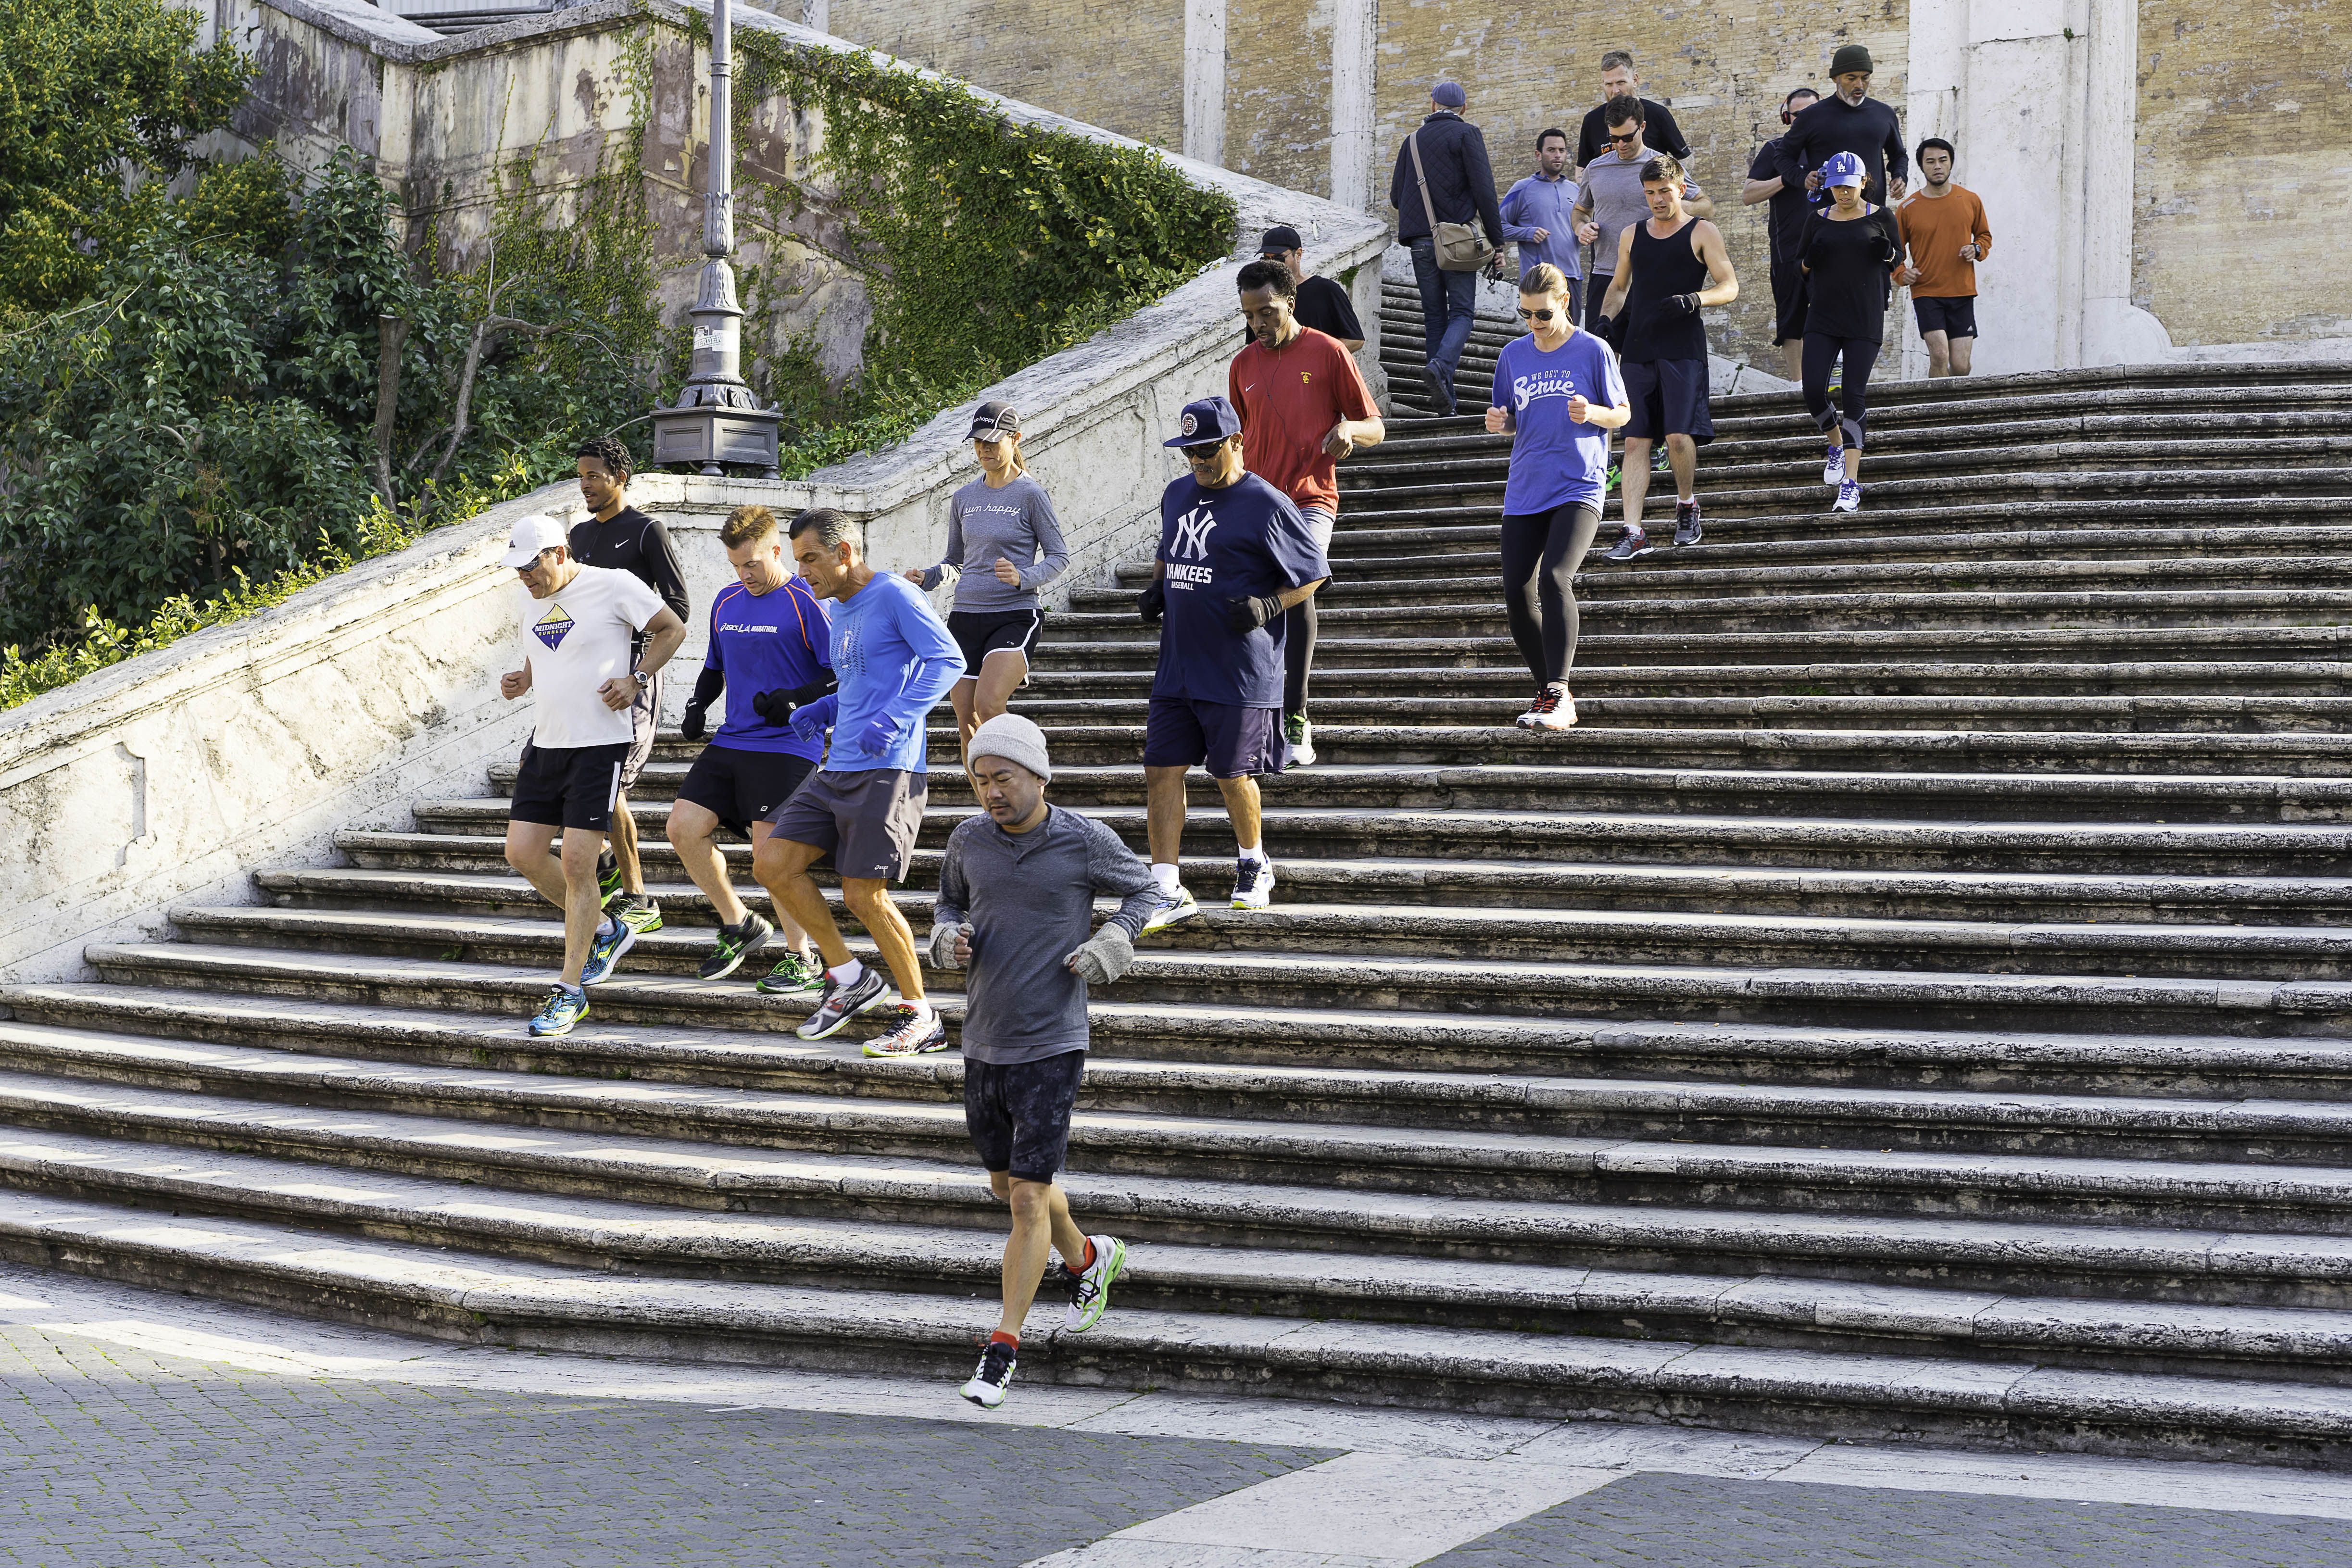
<point>1322,304</point>
<point>1784,220</point>
<point>617,536</point>
<point>1659,132</point>
<point>1461,188</point>
<point>1848,120</point>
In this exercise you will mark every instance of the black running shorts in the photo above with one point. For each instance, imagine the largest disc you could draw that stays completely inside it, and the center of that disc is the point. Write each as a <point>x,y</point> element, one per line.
<point>981,632</point>
<point>1669,398</point>
<point>1019,1113</point>
<point>1953,315</point>
<point>742,787</point>
<point>867,820</point>
<point>569,786</point>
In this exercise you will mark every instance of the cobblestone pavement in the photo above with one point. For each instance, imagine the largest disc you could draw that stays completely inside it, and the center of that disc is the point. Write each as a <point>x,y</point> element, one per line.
<point>114,1456</point>
<point>1689,1522</point>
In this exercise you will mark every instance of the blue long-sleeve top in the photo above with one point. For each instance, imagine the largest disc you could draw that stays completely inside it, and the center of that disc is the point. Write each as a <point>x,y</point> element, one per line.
<point>1536,203</point>
<point>895,661</point>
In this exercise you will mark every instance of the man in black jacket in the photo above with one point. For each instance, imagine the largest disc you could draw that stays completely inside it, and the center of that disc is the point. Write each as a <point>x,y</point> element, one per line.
<point>1461,187</point>
<point>1848,120</point>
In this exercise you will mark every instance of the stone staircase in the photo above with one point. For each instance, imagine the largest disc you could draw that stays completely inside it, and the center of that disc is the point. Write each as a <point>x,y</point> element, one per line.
<point>1915,1004</point>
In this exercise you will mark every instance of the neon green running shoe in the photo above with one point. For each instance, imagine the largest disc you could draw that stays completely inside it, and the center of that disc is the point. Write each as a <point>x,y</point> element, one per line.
<point>638,913</point>
<point>608,877</point>
<point>792,976</point>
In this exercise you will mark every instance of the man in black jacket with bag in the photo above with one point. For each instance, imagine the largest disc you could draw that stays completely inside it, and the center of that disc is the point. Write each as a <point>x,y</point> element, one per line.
<point>1460,186</point>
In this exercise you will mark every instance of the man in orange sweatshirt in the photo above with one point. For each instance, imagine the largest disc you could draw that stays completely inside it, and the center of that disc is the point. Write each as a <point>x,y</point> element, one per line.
<point>1946,237</point>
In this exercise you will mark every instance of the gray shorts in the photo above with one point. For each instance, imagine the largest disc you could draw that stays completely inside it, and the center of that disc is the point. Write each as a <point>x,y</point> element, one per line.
<point>644,717</point>
<point>1320,523</point>
<point>867,821</point>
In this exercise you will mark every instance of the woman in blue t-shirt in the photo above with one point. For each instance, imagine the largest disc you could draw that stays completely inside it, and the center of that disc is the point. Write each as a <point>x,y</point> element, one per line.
<point>1558,393</point>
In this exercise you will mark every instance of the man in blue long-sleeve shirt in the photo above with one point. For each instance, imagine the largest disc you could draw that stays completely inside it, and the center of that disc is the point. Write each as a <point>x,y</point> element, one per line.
<point>894,660</point>
<point>1535,213</point>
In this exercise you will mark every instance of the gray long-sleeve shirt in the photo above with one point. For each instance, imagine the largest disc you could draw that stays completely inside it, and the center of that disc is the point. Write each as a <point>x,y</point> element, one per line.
<point>1016,524</point>
<point>1030,899</point>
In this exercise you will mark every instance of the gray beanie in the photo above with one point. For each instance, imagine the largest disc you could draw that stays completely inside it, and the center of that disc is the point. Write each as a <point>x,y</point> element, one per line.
<point>1015,740</point>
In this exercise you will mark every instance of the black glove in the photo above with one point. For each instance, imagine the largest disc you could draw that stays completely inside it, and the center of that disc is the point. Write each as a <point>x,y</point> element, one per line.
<point>1882,247</point>
<point>776,707</point>
<point>1686,303</point>
<point>694,723</point>
<point>1248,614</point>
<point>1153,603</point>
<point>706,687</point>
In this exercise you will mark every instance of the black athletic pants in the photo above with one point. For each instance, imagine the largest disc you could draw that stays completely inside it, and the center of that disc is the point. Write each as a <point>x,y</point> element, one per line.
<point>1542,551</point>
<point>1860,355</point>
<point>1297,653</point>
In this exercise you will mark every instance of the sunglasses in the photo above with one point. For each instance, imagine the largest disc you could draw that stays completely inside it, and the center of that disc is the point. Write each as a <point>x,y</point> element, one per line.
<point>1629,136</point>
<point>1206,452</point>
<point>1525,314</point>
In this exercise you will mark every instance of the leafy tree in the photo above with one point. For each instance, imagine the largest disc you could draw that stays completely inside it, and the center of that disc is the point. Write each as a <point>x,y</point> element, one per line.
<point>98,102</point>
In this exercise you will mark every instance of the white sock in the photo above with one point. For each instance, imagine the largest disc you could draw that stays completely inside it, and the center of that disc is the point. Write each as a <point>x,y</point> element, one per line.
<point>1256,854</point>
<point>920,1004</point>
<point>847,974</point>
<point>1165,875</point>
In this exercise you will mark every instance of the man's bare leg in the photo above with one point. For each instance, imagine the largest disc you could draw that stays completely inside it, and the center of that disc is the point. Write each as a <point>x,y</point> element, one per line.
<point>625,847</point>
<point>868,898</point>
<point>569,883</point>
<point>692,833</point>
<point>1939,354</point>
<point>1163,791</point>
<point>1962,349</point>
<point>1041,1220</point>
<point>1633,478</point>
<point>1242,805</point>
<point>782,866</point>
<point>1682,455</point>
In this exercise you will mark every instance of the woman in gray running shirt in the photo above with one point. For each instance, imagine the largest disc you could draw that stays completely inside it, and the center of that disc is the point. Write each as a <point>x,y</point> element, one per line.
<point>1004,545</point>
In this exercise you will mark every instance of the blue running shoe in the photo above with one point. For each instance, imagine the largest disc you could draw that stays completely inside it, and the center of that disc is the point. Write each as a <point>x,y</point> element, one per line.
<point>606,950</point>
<point>563,1007</point>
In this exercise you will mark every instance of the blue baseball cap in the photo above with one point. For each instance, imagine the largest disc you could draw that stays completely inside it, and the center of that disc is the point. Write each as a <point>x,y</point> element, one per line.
<point>1210,419</point>
<point>1843,169</point>
<point>1449,94</point>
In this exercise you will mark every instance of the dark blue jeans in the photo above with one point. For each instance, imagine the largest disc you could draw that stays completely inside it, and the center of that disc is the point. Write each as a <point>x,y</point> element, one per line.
<point>1448,303</point>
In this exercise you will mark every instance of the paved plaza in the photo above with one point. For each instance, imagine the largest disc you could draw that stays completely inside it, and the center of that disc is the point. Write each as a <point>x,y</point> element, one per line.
<point>148,1431</point>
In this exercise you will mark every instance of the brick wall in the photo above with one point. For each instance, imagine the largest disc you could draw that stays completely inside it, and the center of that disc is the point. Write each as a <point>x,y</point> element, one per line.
<point>2244,162</point>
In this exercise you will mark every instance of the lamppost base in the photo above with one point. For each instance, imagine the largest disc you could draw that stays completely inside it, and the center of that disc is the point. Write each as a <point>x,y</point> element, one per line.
<point>711,435</point>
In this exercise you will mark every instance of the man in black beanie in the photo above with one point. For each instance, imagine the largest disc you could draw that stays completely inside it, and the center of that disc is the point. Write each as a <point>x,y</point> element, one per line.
<point>1848,120</point>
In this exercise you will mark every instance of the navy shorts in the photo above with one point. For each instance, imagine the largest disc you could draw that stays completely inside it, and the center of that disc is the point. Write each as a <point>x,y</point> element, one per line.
<point>981,632</point>
<point>1233,741</point>
<point>1019,1112</point>
<point>741,787</point>
<point>1953,315</point>
<point>1669,398</point>
<point>568,785</point>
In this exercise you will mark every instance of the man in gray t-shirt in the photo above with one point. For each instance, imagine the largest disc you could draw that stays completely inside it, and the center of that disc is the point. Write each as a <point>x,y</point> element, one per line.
<point>1613,201</point>
<point>1016,900</point>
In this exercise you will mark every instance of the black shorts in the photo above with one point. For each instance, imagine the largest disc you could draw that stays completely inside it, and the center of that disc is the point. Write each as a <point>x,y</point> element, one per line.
<point>1788,301</point>
<point>1596,290</point>
<point>980,634</point>
<point>1019,1113</point>
<point>645,718</point>
<point>741,787</point>
<point>1234,742</point>
<point>1669,398</point>
<point>569,786</point>
<point>1953,315</point>
<point>867,821</point>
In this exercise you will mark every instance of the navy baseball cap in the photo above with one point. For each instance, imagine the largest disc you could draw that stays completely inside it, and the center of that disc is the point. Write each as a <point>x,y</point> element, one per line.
<point>1210,419</point>
<point>1280,238</point>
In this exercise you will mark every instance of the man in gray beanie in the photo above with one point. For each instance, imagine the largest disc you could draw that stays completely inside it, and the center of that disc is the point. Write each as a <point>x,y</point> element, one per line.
<point>1017,903</point>
<point>1848,120</point>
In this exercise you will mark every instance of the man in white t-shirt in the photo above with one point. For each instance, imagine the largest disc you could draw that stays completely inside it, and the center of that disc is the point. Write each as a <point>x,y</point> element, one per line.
<point>576,623</point>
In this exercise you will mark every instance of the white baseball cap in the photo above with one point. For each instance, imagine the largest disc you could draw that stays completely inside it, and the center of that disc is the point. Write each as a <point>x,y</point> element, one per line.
<point>531,535</point>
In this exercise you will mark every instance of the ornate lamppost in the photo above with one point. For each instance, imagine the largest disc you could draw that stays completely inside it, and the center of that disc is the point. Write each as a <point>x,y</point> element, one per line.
<point>718,419</point>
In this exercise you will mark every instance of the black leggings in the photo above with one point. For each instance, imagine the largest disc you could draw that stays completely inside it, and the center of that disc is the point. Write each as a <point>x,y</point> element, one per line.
<point>1542,551</point>
<point>1821,353</point>
<point>1297,653</point>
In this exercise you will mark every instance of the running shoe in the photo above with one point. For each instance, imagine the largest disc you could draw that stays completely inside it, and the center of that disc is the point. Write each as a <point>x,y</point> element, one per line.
<point>1090,1298</point>
<point>987,1387</point>
<point>1659,463</point>
<point>1170,911</point>
<point>1833,466</point>
<point>913,1032</point>
<point>1849,497</point>
<point>1253,884</point>
<point>1616,472</point>
<point>1552,709</point>
<point>605,951</point>
<point>793,973</point>
<point>1297,730</point>
<point>608,877</point>
<point>1686,526</point>
<point>563,1007</point>
<point>841,1003</point>
<point>638,911</point>
<point>735,944</point>
<point>1630,543</point>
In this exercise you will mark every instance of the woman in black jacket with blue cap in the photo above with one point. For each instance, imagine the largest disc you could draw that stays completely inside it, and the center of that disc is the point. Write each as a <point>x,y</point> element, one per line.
<point>1848,249</point>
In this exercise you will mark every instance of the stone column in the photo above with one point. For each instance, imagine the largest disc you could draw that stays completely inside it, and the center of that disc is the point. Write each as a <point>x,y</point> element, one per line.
<point>1355,24</point>
<point>1204,80</point>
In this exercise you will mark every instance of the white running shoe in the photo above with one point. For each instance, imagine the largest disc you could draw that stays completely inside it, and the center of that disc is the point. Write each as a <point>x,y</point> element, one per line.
<point>1552,709</point>
<point>1170,910</point>
<point>1833,467</point>
<point>1849,497</point>
<point>1091,1296</point>
<point>987,1386</point>
<point>1253,884</point>
<point>1300,734</point>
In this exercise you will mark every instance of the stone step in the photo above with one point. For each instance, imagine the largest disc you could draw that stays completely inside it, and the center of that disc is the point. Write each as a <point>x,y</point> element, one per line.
<point>475,1299</point>
<point>1349,919</point>
<point>394,867</point>
<point>1267,978</point>
<point>1234,1180</point>
<point>460,1014</point>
